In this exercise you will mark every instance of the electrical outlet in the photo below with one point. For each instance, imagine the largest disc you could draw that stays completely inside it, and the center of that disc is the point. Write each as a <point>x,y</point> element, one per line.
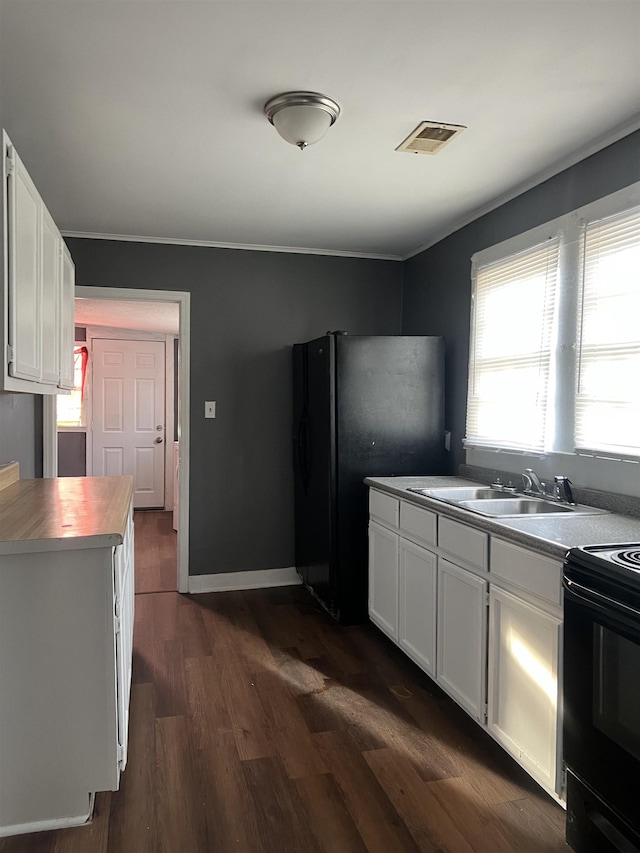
<point>210,409</point>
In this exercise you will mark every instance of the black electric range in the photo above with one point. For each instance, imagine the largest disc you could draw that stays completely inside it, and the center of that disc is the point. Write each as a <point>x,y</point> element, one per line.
<point>602,697</point>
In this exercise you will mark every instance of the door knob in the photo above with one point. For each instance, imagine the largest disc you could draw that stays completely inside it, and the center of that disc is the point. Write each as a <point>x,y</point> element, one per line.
<point>158,440</point>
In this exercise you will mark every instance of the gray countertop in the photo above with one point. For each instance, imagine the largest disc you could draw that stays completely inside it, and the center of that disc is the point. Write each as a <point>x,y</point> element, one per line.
<point>550,535</point>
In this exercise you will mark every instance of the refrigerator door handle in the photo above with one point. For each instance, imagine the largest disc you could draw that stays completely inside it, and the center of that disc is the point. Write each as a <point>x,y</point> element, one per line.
<point>302,449</point>
<point>306,453</point>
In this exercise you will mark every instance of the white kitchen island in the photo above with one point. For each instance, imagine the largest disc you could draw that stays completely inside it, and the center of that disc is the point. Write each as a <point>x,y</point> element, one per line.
<point>66,628</point>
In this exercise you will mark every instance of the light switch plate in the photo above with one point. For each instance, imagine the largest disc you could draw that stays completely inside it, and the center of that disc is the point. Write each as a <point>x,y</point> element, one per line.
<point>210,409</point>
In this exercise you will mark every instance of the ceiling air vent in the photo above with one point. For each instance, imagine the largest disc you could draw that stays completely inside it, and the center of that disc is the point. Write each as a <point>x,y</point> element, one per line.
<point>430,137</point>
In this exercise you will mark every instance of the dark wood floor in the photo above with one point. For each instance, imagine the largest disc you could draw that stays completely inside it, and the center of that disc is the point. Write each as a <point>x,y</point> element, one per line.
<point>257,725</point>
<point>156,545</point>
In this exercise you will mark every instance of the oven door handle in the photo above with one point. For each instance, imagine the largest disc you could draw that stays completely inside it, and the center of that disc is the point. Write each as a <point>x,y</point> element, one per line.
<point>597,598</point>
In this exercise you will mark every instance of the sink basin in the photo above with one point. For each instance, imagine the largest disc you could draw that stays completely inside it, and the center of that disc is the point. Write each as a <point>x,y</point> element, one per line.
<point>526,506</point>
<point>472,493</point>
<point>519,506</point>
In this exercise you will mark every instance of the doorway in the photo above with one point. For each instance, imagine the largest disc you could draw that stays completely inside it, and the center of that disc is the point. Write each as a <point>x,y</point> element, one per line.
<point>134,298</point>
<point>128,416</point>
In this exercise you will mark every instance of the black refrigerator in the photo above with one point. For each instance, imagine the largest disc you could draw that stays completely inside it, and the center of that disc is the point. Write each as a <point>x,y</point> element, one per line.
<point>364,406</point>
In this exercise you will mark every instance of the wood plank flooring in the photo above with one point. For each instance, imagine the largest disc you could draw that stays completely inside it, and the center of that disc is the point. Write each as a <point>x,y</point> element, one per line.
<point>156,544</point>
<point>259,726</point>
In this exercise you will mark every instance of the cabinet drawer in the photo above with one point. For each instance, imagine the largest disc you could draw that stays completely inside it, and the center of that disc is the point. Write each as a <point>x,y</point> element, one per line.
<point>540,576</point>
<point>418,523</point>
<point>384,508</point>
<point>466,543</point>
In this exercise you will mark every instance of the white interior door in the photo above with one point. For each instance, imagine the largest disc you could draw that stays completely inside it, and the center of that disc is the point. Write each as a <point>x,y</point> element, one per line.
<point>128,415</point>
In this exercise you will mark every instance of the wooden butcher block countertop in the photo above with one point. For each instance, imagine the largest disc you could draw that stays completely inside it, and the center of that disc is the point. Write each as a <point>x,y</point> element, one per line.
<point>61,513</point>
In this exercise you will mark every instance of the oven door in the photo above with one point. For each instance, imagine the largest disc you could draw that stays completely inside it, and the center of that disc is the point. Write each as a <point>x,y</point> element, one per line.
<point>602,696</point>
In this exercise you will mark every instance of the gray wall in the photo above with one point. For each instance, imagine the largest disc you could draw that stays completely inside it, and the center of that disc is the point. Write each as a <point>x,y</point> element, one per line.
<point>21,432</point>
<point>72,454</point>
<point>247,309</point>
<point>437,282</point>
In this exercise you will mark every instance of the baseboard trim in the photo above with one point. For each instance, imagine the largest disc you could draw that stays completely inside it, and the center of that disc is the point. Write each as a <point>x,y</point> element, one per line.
<point>259,579</point>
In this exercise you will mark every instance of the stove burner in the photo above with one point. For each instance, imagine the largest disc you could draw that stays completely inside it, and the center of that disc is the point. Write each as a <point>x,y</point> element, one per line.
<point>627,557</point>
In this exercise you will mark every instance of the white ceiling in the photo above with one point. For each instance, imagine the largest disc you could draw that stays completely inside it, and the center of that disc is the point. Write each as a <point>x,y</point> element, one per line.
<point>143,118</point>
<point>136,316</point>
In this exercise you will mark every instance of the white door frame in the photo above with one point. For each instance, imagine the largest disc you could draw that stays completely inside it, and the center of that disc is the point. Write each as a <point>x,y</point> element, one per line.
<point>50,434</point>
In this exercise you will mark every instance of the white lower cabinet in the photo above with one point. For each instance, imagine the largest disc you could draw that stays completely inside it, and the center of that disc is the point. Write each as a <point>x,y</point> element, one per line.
<point>523,684</point>
<point>482,616</point>
<point>383,578</point>
<point>462,636</point>
<point>417,605</point>
<point>66,627</point>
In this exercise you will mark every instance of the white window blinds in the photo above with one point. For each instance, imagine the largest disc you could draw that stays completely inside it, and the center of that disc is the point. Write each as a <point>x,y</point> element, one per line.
<point>608,380</point>
<point>511,349</point>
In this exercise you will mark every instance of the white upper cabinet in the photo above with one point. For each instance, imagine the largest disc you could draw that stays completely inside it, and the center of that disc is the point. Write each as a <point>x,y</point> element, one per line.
<point>38,281</point>
<point>24,226</point>
<point>67,329</point>
<point>50,300</point>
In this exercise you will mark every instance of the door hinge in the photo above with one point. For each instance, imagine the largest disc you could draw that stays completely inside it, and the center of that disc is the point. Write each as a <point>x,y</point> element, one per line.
<point>485,712</point>
<point>120,754</point>
<point>10,163</point>
<point>117,623</point>
<point>10,356</point>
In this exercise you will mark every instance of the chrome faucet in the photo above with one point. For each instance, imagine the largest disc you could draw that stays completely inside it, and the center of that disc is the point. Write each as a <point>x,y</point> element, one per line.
<point>532,484</point>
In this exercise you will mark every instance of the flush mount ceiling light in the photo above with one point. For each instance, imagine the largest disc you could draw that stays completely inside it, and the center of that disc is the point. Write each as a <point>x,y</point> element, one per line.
<point>302,118</point>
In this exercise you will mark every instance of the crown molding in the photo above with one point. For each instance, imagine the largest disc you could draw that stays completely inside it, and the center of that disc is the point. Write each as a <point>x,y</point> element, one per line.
<point>244,247</point>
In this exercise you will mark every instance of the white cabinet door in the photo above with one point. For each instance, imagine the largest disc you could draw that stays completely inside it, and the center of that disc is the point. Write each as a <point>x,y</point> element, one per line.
<point>50,306</point>
<point>383,579</point>
<point>523,684</point>
<point>25,278</point>
<point>417,605</point>
<point>462,633</point>
<point>38,300</point>
<point>67,330</point>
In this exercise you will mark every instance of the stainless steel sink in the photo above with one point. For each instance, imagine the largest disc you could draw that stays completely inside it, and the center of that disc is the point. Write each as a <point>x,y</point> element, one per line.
<point>496,503</point>
<point>456,494</point>
<point>520,506</point>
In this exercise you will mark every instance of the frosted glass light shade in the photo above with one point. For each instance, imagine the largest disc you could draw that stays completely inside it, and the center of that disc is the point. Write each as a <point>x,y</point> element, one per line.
<point>302,118</point>
<point>302,126</point>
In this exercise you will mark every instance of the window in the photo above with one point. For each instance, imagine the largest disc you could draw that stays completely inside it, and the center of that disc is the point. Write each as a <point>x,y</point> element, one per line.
<point>608,382</point>
<point>512,337</point>
<point>555,338</point>
<point>70,409</point>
